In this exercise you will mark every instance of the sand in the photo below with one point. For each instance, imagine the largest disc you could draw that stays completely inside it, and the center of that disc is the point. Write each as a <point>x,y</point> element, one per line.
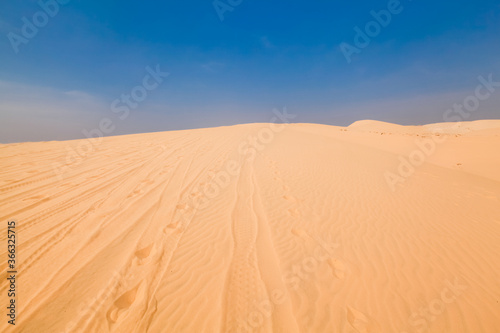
<point>373,227</point>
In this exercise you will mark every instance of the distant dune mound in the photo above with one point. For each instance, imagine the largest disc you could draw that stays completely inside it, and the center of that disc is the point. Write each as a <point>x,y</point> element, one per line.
<point>380,126</point>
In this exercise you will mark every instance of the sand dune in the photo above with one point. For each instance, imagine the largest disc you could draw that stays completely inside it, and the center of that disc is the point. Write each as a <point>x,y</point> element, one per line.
<point>369,228</point>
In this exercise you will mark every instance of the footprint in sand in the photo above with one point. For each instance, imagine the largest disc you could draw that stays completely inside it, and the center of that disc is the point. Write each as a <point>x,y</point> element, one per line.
<point>176,227</point>
<point>338,268</point>
<point>122,304</point>
<point>134,193</point>
<point>181,206</point>
<point>300,233</point>
<point>143,254</point>
<point>171,226</point>
<point>95,206</point>
<point>359,321</point>
<point>195,194</point>
<point>294,212</point>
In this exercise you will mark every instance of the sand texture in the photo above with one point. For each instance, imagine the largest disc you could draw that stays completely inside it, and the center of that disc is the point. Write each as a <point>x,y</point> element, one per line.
<point>368,228</point>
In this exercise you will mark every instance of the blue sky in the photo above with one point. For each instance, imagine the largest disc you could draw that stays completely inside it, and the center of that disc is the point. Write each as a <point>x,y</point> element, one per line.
<point>262,55</point>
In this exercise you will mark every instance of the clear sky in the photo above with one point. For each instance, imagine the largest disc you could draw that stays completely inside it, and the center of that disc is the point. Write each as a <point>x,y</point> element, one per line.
<point>233,61</point>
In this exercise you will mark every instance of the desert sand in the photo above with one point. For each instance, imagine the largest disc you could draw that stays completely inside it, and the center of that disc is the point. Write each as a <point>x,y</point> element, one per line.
<point>373,227</point>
